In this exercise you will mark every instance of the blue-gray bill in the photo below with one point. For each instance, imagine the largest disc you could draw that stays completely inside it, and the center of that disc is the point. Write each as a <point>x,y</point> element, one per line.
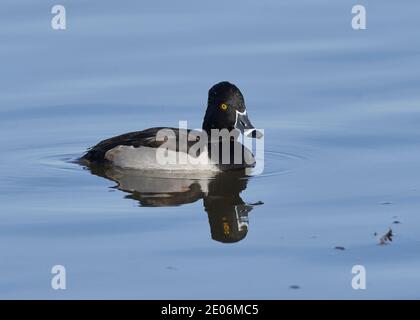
<point>243,124</point>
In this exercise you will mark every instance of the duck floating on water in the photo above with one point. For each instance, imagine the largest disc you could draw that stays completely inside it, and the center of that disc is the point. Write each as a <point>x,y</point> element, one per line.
<point>225,110</point>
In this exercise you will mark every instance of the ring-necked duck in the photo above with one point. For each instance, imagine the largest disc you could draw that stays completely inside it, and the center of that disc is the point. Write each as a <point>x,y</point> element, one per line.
<point>225,110</point>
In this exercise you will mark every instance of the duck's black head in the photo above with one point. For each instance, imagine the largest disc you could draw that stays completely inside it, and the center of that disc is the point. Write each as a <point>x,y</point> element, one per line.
<point>226,110</point>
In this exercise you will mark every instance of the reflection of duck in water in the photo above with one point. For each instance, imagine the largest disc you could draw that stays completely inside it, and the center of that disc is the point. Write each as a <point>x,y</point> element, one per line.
<point>227,212</point>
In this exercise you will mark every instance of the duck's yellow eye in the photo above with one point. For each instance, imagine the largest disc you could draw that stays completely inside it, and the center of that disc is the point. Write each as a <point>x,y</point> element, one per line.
<point>223,106</point>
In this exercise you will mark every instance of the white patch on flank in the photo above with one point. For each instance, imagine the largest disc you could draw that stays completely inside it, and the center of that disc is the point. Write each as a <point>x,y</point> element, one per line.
<point>130,157</point>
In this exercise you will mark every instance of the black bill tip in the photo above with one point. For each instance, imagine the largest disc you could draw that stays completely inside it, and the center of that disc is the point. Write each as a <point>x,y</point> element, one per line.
<point>254,133</point>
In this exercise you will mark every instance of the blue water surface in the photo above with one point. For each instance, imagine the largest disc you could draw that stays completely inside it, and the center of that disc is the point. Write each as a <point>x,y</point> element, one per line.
<point>341,113</point>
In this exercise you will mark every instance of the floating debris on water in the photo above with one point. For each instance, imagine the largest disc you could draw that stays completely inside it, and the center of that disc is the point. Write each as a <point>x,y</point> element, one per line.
<point>387,237</point>
<point>386,203</point>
